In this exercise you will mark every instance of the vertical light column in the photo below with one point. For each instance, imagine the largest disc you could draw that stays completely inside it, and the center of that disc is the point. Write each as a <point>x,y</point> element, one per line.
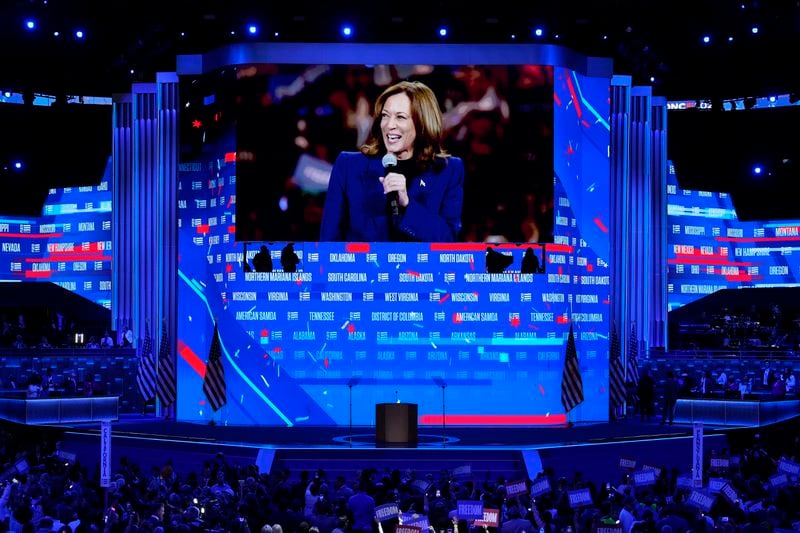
<point>146,230</point>
<point>658,209</point>
<point>145,210</point>
<point>167,194</point>
<point>638,210</point>
<point>122,277</point>
<point>619,178</point>
<point>640,245</point>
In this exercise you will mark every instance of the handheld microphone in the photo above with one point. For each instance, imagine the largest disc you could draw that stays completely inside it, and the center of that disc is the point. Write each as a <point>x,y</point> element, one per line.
<point>389,163</point>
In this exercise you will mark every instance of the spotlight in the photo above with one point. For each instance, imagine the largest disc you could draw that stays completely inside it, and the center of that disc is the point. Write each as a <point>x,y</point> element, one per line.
<point>252,29</point>
<point>442,32</point>
<point>754,30</point>
<point>79,34</point>
<point>347,30</point>
<point>538,32</point>
<point>706,39</point>
<point>757,170</point>
<point>30,24</point>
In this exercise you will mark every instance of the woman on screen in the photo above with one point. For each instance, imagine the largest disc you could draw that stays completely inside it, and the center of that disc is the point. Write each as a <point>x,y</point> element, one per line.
<point>401,186</point>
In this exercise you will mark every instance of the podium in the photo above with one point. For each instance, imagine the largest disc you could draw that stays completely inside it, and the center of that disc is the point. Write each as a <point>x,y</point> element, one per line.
<point>396,424</point>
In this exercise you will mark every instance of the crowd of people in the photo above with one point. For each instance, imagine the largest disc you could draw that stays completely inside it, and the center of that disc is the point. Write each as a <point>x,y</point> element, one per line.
<point>45,329</point>
<point>44,488</point>
<point>642,397</point>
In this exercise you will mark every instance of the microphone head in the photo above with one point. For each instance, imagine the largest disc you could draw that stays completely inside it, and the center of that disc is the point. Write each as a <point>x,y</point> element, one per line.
<point>389,160</point>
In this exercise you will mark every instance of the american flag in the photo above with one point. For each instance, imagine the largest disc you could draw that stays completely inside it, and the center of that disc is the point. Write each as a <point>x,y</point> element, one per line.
<point>616,373</point>
<point>633,356</point>
<point>214,379</point>
<point>146,373</point>
<point>571,382</point>
<point>167,381</point>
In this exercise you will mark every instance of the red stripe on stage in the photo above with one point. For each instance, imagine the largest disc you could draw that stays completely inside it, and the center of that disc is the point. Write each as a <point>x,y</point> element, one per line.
<point>495,420</point>
<point>38,273</point>
<point>190,357</point>
<point>575,100</point>
<point>31,235</point>
<point>357,247</point>
<point>75,256</point>
<point>598,221</point>
<point>464,246</point>
<point>757,239</point>
<point>693,260</point>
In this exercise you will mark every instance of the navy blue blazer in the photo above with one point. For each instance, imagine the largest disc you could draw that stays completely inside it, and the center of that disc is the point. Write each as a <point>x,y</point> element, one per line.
<point>355,206</point>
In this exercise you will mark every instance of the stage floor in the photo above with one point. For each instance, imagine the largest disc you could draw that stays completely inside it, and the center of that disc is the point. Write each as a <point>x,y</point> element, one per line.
<point>592,449</point>
<point>483,437</point>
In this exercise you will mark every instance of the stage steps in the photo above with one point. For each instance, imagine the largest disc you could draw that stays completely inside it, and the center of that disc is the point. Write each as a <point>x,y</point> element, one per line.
<point>509,464</point>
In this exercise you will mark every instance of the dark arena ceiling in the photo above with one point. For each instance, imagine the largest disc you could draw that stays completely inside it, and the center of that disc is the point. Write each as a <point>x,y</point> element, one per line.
<point>751,49</point>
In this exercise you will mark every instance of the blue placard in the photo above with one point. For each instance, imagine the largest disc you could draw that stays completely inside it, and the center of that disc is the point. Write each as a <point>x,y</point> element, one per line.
<point>515,488</point>
<point>715,484</point>
<point>414,519</point>
<point>579,498</point>
<point>540,486</point>
<point>644,477</point>
<point>387,511</point>
<point>470,509</point>
<point>701,500</point>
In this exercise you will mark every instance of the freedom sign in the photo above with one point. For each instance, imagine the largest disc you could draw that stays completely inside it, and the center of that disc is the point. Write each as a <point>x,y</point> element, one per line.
<point>387,511</point>
<point>491,518</point>
<point>407,529</point>
<point>469,509</point>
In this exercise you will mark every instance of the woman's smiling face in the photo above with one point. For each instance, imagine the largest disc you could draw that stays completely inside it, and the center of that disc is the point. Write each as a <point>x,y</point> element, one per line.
<point>397,126</point>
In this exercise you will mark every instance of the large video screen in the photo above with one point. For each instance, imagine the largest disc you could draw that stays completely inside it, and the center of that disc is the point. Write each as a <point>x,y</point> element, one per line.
<point>744,152</point>
<point>710,250</point>
<point>68,244</point>
<point>468,330</point>
<point>293,121</point>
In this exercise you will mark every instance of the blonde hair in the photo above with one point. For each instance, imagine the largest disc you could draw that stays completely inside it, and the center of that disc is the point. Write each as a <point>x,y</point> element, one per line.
<point>425,114</point>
